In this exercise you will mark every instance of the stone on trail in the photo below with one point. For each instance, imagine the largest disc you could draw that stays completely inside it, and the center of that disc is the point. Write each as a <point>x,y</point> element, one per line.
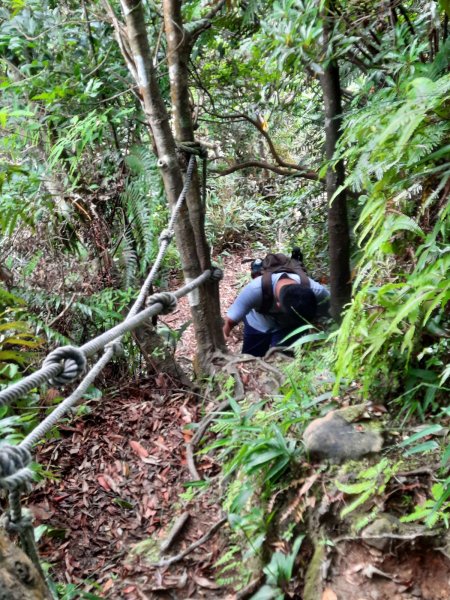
<point>333,437</point>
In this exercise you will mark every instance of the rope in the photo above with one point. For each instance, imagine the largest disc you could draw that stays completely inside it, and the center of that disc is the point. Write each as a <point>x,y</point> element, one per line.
<point>65,364</point>
<point>14,471</point>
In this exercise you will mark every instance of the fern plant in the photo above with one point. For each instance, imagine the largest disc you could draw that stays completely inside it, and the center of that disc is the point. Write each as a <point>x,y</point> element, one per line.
<point>144,210</point>
<point>402,280</point>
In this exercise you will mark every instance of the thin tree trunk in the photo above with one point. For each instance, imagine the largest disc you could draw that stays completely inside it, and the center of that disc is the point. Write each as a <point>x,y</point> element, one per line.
<point>179,46</point>
<point>189,228</point>
<point>338,230</point>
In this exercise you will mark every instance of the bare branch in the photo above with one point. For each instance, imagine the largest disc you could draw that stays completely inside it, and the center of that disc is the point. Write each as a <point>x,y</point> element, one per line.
<point>197,27</point>
<point>294,171</point>
<point>282,167</point>
<point>189,549</point>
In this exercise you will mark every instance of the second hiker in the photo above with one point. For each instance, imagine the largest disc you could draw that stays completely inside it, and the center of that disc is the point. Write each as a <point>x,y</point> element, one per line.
<point>275,304</point>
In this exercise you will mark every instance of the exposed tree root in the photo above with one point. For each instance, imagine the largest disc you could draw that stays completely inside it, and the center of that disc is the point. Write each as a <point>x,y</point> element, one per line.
<point>192,547</point>
<point>177,527</point>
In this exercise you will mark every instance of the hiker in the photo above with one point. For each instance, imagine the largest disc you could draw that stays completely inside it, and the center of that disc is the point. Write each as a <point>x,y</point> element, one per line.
<point>274,304</point>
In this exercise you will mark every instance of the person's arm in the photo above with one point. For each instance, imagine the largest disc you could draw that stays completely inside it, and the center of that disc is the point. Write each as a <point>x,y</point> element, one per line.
<point>323,298</point>
<point>249,298</point>
<point>228,326</point>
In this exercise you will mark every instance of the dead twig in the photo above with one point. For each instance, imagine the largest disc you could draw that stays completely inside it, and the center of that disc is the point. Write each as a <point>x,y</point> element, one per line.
<point>250,588</point>
<point>62,313</point>
<point>177,527</point>
<point>192,547</point>
<point>203,426</point>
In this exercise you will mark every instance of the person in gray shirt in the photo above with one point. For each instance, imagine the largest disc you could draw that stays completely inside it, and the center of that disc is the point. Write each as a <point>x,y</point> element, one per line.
<point>293,305</point>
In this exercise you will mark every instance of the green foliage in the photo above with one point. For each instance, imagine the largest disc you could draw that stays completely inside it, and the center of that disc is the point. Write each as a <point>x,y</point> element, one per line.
<point>144,210</point>
<point>17,345</point>
<point>279,571</point>
<point>403,171</point>
<point>371,482</point>
<point>433,510</point>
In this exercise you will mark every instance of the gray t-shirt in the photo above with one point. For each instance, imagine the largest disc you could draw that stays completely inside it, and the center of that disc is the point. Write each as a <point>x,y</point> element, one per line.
<point>250,299</point>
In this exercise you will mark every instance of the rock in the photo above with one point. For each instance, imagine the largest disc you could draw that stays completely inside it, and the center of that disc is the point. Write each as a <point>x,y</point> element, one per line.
<point>352,413</point>
<point>332,437</point>
<point>373,534</point>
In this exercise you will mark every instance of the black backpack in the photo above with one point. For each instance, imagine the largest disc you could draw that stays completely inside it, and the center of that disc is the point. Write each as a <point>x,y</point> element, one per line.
<point>278,263</point>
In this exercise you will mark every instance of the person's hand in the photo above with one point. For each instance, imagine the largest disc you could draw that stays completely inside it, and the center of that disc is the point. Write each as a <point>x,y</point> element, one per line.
<point>228,326</point>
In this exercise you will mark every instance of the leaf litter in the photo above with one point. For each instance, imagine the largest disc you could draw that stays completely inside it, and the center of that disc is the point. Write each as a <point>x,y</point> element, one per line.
<point>116,479</point>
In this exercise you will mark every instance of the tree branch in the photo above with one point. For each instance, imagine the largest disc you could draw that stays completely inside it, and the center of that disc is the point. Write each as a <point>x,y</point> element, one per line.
<point>282,167</point>
<point>197,27</point>
<point>294,171</point>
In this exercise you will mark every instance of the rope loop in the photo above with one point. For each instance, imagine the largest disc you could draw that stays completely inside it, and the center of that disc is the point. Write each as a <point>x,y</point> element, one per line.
<point>167,299</point>
<point>14,471</point>
<point>19,526</point>
<point>72,360</point>
<point>216,273</point>
<point>195,148</point>
<point>166,235</point>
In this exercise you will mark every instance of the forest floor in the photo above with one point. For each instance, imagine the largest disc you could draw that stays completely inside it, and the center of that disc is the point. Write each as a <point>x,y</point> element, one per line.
<point>120,481</point>
<point>117,479</point>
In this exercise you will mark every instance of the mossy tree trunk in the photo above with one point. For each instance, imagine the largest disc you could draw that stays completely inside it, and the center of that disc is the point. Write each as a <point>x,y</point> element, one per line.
<point>189,228</point>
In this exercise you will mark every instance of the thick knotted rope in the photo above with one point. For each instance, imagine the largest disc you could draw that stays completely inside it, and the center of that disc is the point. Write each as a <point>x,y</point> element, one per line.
<point>216,273</point>
<point>65,364</point>
<point>62,366</point>
<point>193,148</point>
<point>168,300</point>
<point>20,526</point>
<point>166,235</point>
<point>14,471</point>
<point>72,361</point>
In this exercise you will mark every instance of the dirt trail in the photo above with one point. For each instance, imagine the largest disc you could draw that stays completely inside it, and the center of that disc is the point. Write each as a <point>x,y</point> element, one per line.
<point>120,473</point>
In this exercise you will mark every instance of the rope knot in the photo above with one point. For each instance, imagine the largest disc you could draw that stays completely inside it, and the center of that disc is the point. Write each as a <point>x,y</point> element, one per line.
<point>14,471</point>
<point>216,273</point>
<point>167,299</point>
<point>72,361</point>
<point>166,235</point>
<point>19,526</point>
<point>195,148</point>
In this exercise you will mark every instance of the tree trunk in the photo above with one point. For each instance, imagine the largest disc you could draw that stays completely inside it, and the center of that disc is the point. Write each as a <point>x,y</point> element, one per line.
<point>19,578</point>
<point>189,227</point>
<point>338,230</point>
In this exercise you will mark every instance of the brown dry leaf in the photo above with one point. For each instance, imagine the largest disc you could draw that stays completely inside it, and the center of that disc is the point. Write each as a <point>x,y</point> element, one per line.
<point>328,594</point>
<point>108,585</point>
<point>308,483</point>
<point>138,449</point>
<point>187,435</point>
<point>204,582</point>
<point>101,480</point>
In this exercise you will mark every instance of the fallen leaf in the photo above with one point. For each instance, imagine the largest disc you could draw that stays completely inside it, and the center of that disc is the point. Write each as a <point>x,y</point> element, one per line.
<point>103,483</point>
<point>187,435</point>
<point>108,585</point>
<point>328,594</point>
<point>138,449</point>
<point>129,589</point>
<point>206,583</point>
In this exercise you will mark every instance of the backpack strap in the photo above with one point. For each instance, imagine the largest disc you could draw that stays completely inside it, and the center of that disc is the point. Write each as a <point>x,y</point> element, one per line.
<point>304,279</point>
<point>267,292</point>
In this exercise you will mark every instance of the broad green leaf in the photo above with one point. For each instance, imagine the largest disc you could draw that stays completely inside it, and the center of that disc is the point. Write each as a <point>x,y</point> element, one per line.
<point>422,448</point>
<point>430,430</point>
